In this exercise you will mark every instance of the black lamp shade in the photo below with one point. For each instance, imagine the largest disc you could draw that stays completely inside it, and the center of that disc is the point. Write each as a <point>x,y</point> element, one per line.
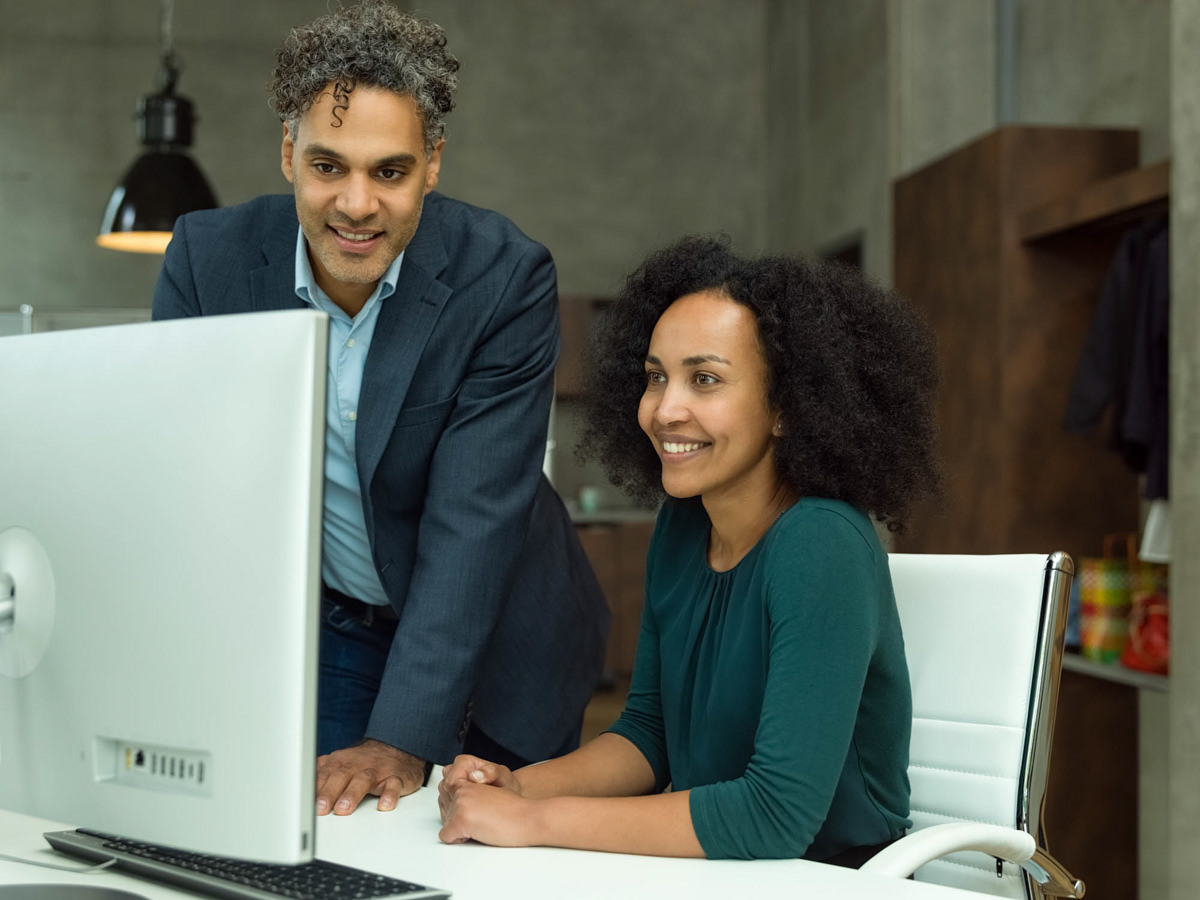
<point>158,188</point>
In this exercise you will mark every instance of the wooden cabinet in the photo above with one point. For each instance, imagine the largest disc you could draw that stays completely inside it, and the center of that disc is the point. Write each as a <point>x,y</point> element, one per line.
<point>617,552</point>
<point>1004,244</point>
<point>1011,310</point>
<point>577,318</point>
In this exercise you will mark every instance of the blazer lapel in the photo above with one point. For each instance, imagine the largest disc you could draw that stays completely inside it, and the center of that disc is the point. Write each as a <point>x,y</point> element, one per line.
<point>274,285</point>
<point>406,319</point>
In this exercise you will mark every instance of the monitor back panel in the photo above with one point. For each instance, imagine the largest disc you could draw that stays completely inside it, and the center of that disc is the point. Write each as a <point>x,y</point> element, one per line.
<point>160,507</point>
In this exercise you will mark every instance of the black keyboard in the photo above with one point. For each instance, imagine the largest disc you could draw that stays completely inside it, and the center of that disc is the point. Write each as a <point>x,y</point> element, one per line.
<point>221,877</point>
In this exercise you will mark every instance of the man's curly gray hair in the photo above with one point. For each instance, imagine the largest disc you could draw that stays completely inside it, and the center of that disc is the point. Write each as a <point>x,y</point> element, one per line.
<point>370,44</point>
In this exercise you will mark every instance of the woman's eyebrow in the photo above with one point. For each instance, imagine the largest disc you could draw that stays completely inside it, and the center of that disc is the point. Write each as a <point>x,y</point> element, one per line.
<point>692,360</point>
<point>707,357</point>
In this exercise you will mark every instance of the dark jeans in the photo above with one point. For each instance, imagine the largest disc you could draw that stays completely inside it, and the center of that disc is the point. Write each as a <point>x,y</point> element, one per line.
<point>354,652</point>
<point>352,658</point>
<point>854,857</point>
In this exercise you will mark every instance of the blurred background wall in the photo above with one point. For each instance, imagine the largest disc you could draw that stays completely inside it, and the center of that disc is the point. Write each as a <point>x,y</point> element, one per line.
<point>603,128</point>
<point>606,128</point>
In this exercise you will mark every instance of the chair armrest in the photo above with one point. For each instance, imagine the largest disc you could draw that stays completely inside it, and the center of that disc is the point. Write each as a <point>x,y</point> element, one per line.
<point>912,851</point>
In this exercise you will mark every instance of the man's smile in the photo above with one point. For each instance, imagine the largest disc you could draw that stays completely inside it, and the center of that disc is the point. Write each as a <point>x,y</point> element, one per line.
<point>356,242</point>
<point>357,236</point>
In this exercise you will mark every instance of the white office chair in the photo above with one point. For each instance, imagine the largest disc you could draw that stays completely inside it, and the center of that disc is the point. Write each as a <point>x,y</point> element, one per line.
<point>984,639</point>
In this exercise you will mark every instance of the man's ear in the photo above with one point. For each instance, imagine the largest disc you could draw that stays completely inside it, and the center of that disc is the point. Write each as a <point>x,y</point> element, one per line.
<point>434,167</point>
<point>287,150</point>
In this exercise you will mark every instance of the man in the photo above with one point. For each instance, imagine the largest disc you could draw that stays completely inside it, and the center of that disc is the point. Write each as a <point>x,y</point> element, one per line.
<point>458,608</point>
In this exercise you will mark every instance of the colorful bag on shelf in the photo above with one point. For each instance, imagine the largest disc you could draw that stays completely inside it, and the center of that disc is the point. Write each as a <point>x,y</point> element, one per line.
<point>1148,648</point>
<point>1105,599</point>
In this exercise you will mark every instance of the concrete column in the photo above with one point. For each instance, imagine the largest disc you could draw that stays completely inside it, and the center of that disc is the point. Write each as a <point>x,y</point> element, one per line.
<point>1184,704</point>
<point>786,110</point>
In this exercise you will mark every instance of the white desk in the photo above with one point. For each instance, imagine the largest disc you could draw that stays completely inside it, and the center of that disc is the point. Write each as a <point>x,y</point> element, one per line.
<point>404,844</point>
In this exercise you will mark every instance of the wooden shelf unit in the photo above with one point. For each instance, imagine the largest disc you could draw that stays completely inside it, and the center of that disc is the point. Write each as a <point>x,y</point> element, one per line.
<point>1011,316</point>
<point>1005,244</point>
<point>577,318</point>
<point>1119,200</point>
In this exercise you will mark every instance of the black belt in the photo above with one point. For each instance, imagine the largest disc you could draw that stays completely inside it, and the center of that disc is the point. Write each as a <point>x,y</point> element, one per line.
<point>368,612</point>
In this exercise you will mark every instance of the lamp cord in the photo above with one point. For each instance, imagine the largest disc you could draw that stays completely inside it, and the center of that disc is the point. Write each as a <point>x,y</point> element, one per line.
<point>168,13</point>
<point>170,65</point>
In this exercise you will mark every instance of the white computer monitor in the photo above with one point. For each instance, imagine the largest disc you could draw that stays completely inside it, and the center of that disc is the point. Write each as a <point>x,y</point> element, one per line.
<point>160,529</point>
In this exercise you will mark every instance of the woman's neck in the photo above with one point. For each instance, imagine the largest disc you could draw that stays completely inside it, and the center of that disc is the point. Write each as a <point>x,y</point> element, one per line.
<point>738,523</point>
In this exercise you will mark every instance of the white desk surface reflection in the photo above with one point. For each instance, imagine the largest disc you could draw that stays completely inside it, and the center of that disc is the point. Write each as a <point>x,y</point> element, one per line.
<point>404,844</point>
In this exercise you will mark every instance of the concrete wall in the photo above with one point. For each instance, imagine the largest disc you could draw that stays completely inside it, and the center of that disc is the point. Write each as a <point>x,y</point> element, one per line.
<point>1182,827</point>
<point>835,119</point>
<point>1097,62</point>
<point>70,76</point>
<point>787,107</point>
<point>891,86</point>
<point>944,79</point>
<point>604,128</point>
<point>607,129</point>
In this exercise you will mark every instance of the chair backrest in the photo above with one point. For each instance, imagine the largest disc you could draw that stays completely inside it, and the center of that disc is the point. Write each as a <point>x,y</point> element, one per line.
<point>984,637</point>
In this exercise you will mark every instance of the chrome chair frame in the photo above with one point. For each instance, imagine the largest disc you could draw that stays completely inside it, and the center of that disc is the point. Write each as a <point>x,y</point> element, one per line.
<point>1021,843</point>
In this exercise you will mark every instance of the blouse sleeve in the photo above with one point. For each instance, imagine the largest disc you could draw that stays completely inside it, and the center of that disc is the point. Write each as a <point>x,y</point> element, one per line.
<point>822,598</point>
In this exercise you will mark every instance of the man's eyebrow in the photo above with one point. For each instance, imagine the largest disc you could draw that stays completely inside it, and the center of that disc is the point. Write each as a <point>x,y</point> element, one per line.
<point>396,160</point>
<point>692,360</point>
<point>315,150</point>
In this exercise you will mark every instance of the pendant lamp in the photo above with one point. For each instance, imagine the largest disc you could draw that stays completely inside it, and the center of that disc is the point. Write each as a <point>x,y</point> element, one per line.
<point>164,182</point>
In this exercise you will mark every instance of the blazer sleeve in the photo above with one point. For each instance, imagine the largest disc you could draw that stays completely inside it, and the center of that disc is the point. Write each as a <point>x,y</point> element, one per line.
<point>175,294</point>
<point>474,524</point>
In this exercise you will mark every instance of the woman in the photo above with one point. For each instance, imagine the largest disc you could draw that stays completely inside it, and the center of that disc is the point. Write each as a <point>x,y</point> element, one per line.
<point>775,402</point>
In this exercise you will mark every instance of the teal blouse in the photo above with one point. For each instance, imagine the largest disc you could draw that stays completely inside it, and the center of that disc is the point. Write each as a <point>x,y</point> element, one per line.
<point>777,692</point>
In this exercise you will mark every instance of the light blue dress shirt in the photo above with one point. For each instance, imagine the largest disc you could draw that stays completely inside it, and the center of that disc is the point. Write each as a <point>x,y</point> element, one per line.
<point>346,563</point>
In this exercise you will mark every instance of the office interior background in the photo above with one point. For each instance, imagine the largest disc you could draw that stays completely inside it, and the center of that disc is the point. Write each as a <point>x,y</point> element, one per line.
<point>606,129</point>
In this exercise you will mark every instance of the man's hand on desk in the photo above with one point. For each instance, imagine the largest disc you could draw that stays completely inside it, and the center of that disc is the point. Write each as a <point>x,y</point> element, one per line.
<point>344,777</point>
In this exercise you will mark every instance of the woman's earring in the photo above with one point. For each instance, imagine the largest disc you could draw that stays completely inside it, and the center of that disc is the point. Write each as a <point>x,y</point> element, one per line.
<point>778,429</point>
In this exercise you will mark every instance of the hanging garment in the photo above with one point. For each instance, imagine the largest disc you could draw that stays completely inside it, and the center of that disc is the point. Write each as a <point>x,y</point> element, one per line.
<point>1124,363</point>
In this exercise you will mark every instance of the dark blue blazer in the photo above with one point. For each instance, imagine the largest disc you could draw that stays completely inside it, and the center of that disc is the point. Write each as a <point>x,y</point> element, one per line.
<point>502,622</point>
